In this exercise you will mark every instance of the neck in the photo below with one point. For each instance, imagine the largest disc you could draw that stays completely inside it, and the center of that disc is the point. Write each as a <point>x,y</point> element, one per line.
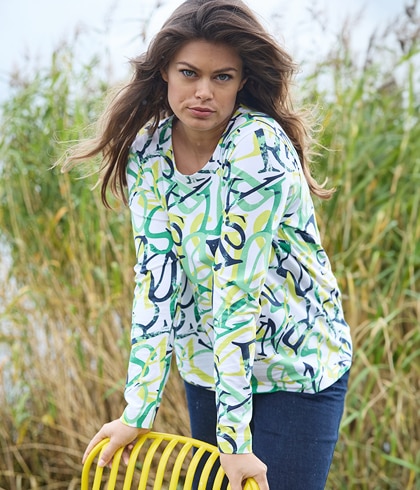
<point>193,149</point>
<point>198,141</point>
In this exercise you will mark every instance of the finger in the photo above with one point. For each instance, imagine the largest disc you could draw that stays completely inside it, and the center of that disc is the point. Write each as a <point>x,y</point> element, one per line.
<point>108,453</point>
<point>95,440</point>
<point>126,454</point>
<point>262,482</point>
<point>235,485</point>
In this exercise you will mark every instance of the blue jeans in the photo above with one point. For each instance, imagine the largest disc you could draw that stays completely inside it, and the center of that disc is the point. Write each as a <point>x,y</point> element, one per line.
<point>294,434</point>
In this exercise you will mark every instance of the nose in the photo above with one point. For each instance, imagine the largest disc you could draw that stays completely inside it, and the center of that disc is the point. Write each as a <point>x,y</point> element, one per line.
<point>203,89</point>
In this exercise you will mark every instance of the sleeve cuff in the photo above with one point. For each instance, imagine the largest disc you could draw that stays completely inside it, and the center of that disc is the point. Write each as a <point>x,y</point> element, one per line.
<point>231,441</point>
<point>136,417</point>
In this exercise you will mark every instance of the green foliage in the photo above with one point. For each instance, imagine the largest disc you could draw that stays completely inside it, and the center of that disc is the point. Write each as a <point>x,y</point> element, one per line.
<point>372,231</point>
<point>65,299</point>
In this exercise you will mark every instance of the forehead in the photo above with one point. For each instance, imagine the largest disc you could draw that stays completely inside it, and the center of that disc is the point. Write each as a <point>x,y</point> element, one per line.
<point>207,53</point>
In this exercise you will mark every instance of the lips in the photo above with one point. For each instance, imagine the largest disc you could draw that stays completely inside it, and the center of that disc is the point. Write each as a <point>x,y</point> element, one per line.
<point>201,111</point>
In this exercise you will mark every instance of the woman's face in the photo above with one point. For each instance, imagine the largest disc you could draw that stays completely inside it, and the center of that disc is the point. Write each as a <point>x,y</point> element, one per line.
<point>203,81</point>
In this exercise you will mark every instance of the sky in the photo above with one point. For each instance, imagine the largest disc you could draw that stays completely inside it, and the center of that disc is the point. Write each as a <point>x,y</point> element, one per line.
<point>30,30</point>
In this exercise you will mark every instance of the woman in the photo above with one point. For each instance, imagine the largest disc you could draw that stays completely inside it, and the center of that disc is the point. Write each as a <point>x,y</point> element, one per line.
<point>230,273</point>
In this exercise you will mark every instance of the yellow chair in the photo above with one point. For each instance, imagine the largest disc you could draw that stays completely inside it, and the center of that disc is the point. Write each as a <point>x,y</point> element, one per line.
<point>175,459</point>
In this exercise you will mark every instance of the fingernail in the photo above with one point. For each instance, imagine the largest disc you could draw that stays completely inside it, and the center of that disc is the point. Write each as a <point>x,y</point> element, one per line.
<point>101,462</point>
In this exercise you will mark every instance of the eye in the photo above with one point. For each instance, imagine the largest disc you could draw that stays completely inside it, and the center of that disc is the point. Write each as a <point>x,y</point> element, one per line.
<point>223,77</point>
<point>188,73</point>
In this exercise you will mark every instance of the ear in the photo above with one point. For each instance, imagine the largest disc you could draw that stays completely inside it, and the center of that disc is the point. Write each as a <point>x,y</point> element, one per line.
<point>164,74</point>
<point>242,84</point>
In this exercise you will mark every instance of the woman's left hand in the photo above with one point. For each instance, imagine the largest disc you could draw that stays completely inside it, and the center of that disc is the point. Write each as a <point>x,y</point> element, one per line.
<point>239,467</point>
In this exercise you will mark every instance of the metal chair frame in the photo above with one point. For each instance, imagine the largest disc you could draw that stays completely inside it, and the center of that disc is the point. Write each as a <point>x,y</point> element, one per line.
<point>173,445</point>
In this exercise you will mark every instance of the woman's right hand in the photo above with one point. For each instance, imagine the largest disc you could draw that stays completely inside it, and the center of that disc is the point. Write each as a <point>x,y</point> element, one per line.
<point>120,435</point>
<point>239,467</point>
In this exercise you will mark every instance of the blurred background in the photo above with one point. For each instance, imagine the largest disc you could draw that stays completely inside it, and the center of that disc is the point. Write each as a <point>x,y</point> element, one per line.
<point>119,29</point>
<point>66,263</point>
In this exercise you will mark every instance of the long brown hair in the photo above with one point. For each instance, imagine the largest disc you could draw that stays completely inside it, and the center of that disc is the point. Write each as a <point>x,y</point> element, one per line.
<point>268,68</point>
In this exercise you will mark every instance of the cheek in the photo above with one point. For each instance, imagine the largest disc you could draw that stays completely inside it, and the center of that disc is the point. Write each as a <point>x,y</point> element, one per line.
<point>176,98</point>
<point>171,95</point>
<point>175,93</point>
<point>230,98</point>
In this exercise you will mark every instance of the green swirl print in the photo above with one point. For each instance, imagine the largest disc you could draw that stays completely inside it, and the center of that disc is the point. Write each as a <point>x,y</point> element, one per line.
<point>230,275</point>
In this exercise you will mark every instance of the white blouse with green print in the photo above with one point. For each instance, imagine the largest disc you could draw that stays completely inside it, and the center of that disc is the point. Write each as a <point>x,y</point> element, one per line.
<point>230,275</point>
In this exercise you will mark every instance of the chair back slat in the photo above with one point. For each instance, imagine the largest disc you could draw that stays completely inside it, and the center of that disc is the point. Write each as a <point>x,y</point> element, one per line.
<point>176,472</point>
<point>163,463</point>
<point>147,463</point>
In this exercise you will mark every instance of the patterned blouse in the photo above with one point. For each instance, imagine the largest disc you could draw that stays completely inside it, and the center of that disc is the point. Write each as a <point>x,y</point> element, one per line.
<point>230,275</point>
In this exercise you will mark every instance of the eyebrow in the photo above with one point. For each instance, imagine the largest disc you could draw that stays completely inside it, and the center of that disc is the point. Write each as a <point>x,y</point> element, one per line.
<point>192,67</point>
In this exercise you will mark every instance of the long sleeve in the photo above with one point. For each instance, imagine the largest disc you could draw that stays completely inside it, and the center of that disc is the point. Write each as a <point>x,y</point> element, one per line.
<point>158,277</point>
<point>260,176</point>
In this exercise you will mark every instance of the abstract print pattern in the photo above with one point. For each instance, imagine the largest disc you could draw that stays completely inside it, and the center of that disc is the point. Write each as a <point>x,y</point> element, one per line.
<point>230,275</point>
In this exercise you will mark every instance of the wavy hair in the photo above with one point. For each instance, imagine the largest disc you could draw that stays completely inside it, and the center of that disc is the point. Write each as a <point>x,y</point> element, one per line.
<point>269,70</point>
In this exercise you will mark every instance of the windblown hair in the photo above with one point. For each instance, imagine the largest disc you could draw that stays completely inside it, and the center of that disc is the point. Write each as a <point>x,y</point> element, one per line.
<point>268,68</point>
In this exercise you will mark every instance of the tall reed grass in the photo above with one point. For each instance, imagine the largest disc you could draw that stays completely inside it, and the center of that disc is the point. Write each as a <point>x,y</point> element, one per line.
<point>372,230</point>
<point>65,300</point>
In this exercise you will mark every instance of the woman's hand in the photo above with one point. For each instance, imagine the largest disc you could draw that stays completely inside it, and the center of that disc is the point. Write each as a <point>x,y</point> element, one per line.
<point>120,435</point>
<point>239,467</point>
